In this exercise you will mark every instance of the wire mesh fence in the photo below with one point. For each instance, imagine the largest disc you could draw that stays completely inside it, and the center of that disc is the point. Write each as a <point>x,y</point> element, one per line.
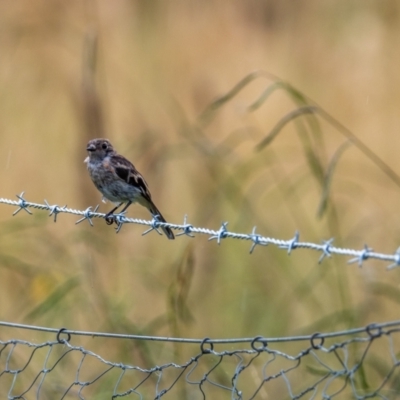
<point>355,364</point>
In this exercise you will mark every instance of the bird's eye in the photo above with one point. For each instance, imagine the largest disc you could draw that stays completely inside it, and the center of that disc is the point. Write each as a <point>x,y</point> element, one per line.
<point>104,146</point>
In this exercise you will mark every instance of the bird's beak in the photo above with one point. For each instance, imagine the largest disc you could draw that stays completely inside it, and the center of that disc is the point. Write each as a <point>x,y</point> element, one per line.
<point>91,147</point>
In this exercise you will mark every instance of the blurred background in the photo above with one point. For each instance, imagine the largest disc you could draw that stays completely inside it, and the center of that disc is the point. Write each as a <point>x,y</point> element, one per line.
<point>146,75</point>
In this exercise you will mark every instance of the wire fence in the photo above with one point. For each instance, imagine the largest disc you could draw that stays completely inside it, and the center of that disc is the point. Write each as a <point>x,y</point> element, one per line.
<point>355,364</point>
<point>326,248</point>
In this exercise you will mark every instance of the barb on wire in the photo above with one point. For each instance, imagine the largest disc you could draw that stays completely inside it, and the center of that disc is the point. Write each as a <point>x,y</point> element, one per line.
<point>257,240</point>
<point>362,256</point>
<point>291,244</point>
<point>331,365</point>
<point>396,260</point>
<point>88,214</point>
<point>326,249</point>
<point>54,210</point>
<point>21,204</point>
<point>187,228</point>
<point>220,234</point>
<point>155,223</point>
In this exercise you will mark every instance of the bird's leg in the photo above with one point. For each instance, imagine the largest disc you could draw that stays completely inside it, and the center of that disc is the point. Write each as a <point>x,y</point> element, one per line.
<point>127,205</point>
<point>109,216</point>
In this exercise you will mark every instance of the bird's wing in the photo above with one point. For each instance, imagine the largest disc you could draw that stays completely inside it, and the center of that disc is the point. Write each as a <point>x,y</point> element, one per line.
<point>126,171</point>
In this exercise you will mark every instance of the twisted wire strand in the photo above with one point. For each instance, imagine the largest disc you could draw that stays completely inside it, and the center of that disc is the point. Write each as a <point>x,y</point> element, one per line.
<point>326,248</point>
<point>374,329</point>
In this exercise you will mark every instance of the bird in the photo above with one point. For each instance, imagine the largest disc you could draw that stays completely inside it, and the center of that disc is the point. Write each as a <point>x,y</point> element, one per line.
<point>119,181</point>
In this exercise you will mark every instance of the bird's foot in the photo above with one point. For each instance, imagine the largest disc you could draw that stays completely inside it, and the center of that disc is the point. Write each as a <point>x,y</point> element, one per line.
<point>109,218</point>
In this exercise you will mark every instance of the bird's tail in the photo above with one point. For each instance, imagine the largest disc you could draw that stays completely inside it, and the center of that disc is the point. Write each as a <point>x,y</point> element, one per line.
<point>166,229</point>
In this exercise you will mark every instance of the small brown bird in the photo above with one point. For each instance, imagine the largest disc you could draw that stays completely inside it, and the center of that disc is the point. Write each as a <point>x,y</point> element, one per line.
<point>119,181</point>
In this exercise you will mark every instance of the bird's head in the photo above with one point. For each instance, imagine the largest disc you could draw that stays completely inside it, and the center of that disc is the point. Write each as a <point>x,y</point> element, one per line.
<point>98,149</point>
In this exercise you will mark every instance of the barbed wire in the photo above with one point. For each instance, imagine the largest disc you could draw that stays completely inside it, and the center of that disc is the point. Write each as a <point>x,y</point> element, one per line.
<point>326,248</point>
<point>348,368</point>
